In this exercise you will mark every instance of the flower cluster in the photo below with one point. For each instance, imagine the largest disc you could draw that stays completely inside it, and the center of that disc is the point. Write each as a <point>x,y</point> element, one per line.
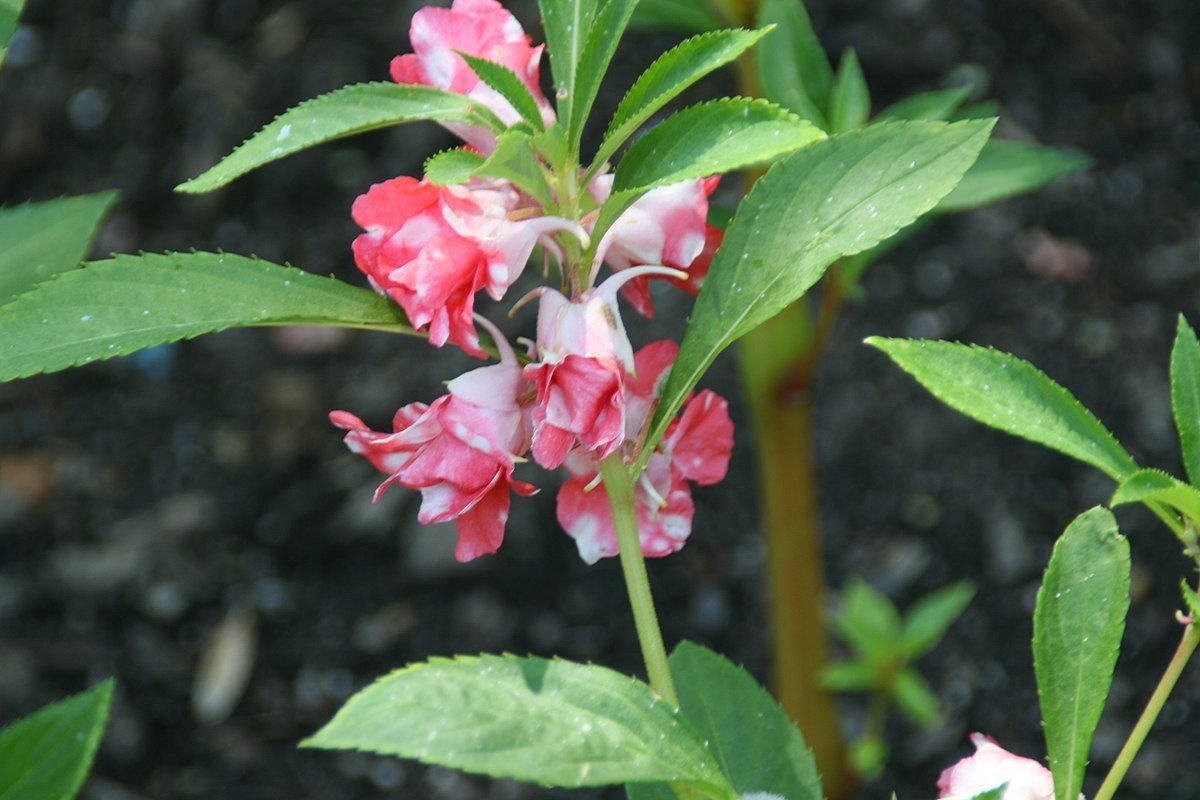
<point>580,394</point>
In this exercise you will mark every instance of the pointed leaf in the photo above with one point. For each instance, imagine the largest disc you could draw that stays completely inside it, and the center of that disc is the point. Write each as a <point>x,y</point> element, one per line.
<point>555,723</point>
<point>1156,486</point>
<point>507,85</point>
<point>567,23</point>
<point>1077,629</point>
<point>1185,395</point>
<point>1006,169</point>
<point>1011,395</point>
<point>671,73</point>
<point>111,308</point>
<point>10,11</point>
<point>928,619</point>
<point>683,15</point>
<point>1191,599</point>
<point>353,109</point>
<point>40,240</point>
<point>849,98</point>
<point>850,676</point>
<point>939,105</point>
<point>792,65</point>
<point>868,622</point>
<point>831,199</point>
<point>992,794</point>
<point>756,744</point>
<point>47,755</point>
<point>598,51</point>
<point>452,167</point>
<point>916,700</point>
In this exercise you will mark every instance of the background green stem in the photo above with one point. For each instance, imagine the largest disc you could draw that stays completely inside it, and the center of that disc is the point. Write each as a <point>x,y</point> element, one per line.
<point>1187,646</point>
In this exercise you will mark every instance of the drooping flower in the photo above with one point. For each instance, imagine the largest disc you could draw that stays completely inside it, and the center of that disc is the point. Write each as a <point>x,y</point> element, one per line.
<point>696,447</point>
<point>480,28</point>
<point>992,766</point>
<point>459,452</point>
<point>431,248</point>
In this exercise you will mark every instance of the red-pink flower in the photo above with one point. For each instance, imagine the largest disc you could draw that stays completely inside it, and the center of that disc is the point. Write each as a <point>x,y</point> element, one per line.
<point>696,447</point>
<point>431,248</point>
<point>459,452</point>
<point>481,28</point>
<point>993,766</point>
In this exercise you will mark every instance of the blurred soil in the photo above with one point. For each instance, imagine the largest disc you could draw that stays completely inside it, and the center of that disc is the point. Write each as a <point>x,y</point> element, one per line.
<point>148,503</point>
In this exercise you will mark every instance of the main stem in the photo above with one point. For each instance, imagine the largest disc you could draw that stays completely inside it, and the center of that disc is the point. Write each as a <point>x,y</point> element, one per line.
<point>619,486</point>
<point>1187,646</point>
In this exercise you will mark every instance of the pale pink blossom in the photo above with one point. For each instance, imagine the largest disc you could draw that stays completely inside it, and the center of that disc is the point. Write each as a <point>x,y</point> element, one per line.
<point>696,447</point>
<point>431,248</point>
<point>480,28</point>
<point>993,766</point>
<point>459,452</point>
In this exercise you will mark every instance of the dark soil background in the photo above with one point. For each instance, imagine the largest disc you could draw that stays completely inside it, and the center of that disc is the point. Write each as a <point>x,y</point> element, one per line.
<point>149,502</point>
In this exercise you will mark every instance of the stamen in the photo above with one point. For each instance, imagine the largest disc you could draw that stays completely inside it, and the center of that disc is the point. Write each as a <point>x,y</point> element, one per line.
<point>507,356</point>
<point>536,293</point>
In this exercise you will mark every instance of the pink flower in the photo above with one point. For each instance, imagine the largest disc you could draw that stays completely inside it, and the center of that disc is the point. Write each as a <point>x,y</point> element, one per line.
<point>459,452</point>
<point>993,766</point>
<point>481,28</point>
<point>696,447</point>
<point>431,248</point>
<point>667,226</point>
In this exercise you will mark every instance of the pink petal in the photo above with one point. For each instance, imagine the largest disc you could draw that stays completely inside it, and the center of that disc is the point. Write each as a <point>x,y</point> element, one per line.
<point>701,440</point>
<point>993,766</point>
<point>481,529</point>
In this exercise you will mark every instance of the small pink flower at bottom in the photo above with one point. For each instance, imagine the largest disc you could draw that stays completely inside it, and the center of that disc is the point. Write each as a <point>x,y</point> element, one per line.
<point>993,766</point>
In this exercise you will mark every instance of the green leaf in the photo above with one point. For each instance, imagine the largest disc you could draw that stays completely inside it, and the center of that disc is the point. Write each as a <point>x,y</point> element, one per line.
<point>684,15</point>
<point>671,73</point>
<point>1156,486</point>
<point>1185,395</point>
<point>868,756</point>
<point>452,167</point>
<point>992,794</point>
<point>849,98</point>
<point>832,199</point>
<point>111,308</point>
<point>792,65</point>
<point>1077,628</point>
<point>850,676</point>
<point>928,619</point>
<point>555,723</point>
<point>567,23</point>
<point>758,747</point>
<point>602,39</point>
<point>1191,599</point>
<point>1006,169</point>
<point>507,85</point>
<point>10,12</point>
<point>352,109</point>
<point>1011,395</point>
<point>47,755</point>
<point>868,622</point>
<point>40,240</point>
<point>916,700</point>
<point>938,105</point>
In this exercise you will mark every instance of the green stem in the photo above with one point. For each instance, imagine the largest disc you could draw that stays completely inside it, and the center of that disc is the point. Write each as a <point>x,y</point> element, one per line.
<point>619,486</point>
<point>1187,646</point>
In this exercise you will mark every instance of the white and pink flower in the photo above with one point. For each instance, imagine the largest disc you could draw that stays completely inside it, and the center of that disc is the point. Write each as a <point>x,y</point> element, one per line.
<point>993,766</point>
<point>480,28</point>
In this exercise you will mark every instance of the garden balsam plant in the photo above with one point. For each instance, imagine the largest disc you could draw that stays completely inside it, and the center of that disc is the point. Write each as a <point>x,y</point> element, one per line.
<point>628,424</point>
<point>1082,605</point>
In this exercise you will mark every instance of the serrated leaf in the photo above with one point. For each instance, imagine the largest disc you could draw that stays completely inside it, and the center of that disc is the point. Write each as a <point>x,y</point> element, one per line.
<point>508,85</point>
<point>352,109</point>
<point>514,161</point>
<point>602,39</point>
<point>671,73</point>
<point>1191,599</point>
<point>683,15</point>
<point>567,23</point>
<point>40,240</point>
<point>850,676</point>
<point>452,167</point>
<point>937,105</point>
<point>1011,395</point>
<point>831,199</point>
<point>849,97</point>
<point>47,755</point>
<point>868,622</point>
<point>1185,395</point>
<point>1077,629</point>
<point>928,619</point>
<point>915,699</point>
<point>1156,486</point>
<point>758,747</point>
<point>10,12</point>
<point>1007,169</point>
<point>554,723</point>
<point>111,308</point>
<point>792,65</point>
